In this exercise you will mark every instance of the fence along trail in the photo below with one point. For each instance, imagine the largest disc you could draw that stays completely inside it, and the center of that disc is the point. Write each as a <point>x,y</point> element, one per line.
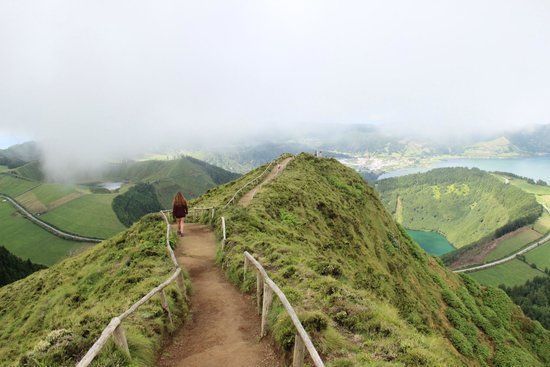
<point>224,327</point>
<point>225,324</point>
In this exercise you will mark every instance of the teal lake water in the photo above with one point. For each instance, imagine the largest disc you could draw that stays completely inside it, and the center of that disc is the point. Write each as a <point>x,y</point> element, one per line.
<point>532,167</point>
<point>432,242</point>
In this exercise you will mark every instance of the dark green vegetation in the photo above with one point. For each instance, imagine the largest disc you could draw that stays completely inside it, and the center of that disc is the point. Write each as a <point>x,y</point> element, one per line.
<point>366,292</point>
<point>53,316</point>
<point>189,175</point>
<point>29,241</point>
<point>13,268</point>
<point>139,200</point>
<point>432,242</point>
<point>534,298</point>
<point>468,206</point>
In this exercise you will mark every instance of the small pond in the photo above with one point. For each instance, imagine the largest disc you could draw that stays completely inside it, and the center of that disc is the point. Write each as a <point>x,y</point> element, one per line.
<point>432,242</point>
<point>111,186</point>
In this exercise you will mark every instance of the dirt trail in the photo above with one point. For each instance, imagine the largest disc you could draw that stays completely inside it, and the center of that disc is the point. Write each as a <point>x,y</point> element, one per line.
<point>224,329</point>
<point>275,171</point>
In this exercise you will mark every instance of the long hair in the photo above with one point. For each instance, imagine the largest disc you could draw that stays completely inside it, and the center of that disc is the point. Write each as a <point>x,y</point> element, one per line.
<point>179,200</point>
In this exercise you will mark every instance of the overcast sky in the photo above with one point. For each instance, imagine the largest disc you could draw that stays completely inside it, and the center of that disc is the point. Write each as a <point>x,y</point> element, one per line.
<point>111,76</point>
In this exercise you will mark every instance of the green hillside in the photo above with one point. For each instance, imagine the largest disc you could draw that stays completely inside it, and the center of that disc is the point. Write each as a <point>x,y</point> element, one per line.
<point>467,206</point>
<point>53,316</point>
<point>189,175</point>
<point>13,268</point>
<point>368,294</point>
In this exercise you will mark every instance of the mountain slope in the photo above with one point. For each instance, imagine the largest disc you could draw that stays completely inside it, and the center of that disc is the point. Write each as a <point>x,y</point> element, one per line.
<point>53,316</point>
<point>189,175</point>
<point>466,205</point>
<point>364,290</point>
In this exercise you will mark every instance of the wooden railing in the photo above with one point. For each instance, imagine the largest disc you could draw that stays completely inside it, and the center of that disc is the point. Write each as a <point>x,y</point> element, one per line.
<point>115,329</point>
<point>247,184</point>
<point>265,288</point>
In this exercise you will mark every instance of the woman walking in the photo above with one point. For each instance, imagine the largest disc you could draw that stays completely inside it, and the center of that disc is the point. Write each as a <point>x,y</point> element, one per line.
<point>179,211</point>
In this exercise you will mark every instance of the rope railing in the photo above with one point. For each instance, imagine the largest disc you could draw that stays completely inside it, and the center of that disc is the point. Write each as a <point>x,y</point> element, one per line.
<point>265,288</point>
<point>115,330</point>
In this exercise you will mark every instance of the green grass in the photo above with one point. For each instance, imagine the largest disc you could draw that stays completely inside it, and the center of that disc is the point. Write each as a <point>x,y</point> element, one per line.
<point>530,188</point>
<point>28,241</point>
<point>512,244</point>
<point>540,256</point>
<point>511,273</point>
<point>3,168</point>
<point>369,294</point>
<point>13,186</point>
<point>89,215</point>
<point>468,206</point>
<point>53,316</point>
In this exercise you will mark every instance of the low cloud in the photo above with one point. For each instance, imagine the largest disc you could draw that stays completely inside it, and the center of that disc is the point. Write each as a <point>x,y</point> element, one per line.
<point>97,81</point>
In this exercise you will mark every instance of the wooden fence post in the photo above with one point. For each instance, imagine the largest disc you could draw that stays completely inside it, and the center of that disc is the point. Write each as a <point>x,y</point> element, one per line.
<point>164,304</point>
<point>119,337</point>
<point>299,351</point>
<point>223,232</point>
<point>244,268</point>
<point>259,285</point>
<point>213,211</point>
<point>268,299</point>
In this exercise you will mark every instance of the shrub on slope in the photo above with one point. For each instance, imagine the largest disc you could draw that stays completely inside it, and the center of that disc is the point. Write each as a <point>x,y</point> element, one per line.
<point>139,200</point>
<point>365,291</point>
<point>467,205</point>
<point>13,268</point>
<point>53,316</point>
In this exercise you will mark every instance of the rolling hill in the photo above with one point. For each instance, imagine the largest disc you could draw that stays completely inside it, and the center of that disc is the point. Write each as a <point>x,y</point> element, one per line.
<point>370,294</point>
<point>468,206</point>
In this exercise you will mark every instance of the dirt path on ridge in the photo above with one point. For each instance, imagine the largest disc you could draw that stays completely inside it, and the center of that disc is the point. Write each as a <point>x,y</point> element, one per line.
<point>275,171</point>
<point>224,328</point>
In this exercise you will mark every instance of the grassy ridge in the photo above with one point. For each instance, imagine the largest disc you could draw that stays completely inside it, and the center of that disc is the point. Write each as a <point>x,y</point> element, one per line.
<point>29,241</point>
<point>366,292</point>
<point>53,316</point>
<point>468,206</point>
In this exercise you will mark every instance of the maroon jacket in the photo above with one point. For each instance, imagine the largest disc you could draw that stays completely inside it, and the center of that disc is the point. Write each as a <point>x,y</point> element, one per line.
<point>179,211</point>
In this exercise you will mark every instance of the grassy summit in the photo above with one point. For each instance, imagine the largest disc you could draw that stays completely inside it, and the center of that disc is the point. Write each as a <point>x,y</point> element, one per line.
<point>466,205</point>
<point>367,293</point>
<point>53,316</point>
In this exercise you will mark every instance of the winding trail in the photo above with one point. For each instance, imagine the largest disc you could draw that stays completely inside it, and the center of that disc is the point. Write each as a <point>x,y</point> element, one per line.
<point>510,257</point>
<point>224,325</point>
<point>46,226</point>
<point>275,171</point>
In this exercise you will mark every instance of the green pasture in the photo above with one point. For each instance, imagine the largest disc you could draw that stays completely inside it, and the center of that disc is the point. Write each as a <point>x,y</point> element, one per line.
<point>511,273</point>
<point>14,186</point>
<point>512,244</point>
<point>29,241</point>
<point>540,256</point>
<point>89,215</point>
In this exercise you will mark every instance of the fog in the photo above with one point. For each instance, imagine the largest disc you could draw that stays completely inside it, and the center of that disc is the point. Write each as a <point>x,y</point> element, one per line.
<point>103,80</point>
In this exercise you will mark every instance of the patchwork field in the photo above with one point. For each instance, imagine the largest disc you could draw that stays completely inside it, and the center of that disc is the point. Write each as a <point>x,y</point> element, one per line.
<point>511,273</point>
<point>88,215</point>
<point>28,241</point>
<point>13,186</point>
<point>512,244</point>
<point>540,256</point>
